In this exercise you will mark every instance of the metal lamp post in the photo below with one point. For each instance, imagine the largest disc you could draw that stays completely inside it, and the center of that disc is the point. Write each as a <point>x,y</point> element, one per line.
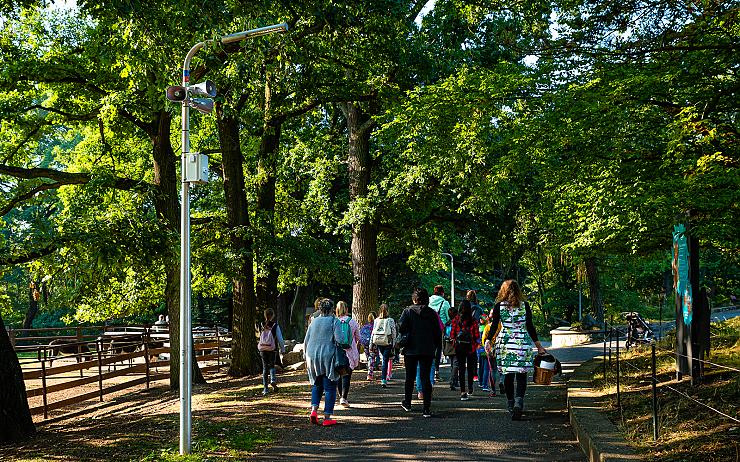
<point>183,94</point>
<point>452,278</point>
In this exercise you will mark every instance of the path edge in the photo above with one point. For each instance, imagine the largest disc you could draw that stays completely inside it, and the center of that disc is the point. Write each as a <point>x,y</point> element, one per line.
<point>599,438</point>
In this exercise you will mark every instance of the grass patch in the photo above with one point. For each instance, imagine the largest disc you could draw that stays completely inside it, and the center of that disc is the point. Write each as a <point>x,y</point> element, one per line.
<point>688,431</point>
<point>217,440</point>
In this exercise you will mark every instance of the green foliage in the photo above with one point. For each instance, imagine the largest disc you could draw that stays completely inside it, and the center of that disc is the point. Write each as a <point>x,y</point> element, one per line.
<point>523,138</point>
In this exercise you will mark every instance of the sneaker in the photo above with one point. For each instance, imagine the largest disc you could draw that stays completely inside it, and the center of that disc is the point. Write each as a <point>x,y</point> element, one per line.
<point>516,413</point>
<point>420,395</point>
<point>464,397</point>
<point>265,392</point>
<point>344,402</point>
<point>453,388</point>
<point>329,422</point>
<point>314,418</point>
<point>383,384</point>
<point>274,387</point>
<point>406,406</point>
<point>486,389</point>
<point>426,413</point>
<point>475,378</point>
<point>470,393</point>
<point>510,406</point>
<point>436,376</point>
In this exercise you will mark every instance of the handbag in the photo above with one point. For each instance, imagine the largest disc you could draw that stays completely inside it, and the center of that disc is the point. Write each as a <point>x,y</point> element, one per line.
<point>341,361</point>
<point>448,349</point>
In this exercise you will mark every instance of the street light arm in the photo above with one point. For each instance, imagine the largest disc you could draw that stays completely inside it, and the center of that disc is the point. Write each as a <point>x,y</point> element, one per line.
<point>231,38</point>
<point>188,58</point>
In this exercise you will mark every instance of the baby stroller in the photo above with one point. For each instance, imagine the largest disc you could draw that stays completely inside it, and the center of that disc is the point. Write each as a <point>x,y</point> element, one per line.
<point>638,331</point>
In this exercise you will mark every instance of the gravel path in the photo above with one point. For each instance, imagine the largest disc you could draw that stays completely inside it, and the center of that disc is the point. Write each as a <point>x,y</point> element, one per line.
<point>376,428</point>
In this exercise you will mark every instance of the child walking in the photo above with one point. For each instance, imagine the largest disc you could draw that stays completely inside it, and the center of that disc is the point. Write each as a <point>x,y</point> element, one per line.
<point>271,339</point>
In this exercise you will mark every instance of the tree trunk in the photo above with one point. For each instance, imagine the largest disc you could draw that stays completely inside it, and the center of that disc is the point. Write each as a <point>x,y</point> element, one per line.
<point>282,313</point>
<point>243,356</point>
<point>167,206</point>
<point>15,417</point>
<point>33,305</point>
<point>594,289</point>
<point>364,246</point>
<point>541,285</point>
<point>267,279</point>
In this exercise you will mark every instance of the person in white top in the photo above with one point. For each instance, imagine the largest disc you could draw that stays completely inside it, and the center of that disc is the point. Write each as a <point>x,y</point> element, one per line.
<point>384,339</point>
<point>353,352</point>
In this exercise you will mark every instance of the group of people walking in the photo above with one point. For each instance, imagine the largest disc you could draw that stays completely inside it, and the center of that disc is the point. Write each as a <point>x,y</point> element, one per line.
<point>502,342</point>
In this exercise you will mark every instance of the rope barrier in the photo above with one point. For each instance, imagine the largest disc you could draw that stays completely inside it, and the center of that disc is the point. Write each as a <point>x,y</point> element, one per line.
<point>729,368</point>
<point>699,402</point>
<point>663,385</point>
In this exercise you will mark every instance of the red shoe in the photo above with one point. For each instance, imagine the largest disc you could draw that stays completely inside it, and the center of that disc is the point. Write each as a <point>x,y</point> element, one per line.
<point>314,418</point>
<point>329,422</point>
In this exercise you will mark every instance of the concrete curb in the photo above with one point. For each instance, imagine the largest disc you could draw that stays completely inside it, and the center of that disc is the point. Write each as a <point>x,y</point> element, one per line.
<point>600,439</point>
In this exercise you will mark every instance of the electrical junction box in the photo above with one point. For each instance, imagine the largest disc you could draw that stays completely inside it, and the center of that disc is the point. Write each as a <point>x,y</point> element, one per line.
<point>196,168</point>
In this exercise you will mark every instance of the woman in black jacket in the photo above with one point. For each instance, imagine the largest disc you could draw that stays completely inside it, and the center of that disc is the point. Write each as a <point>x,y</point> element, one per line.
<point>421,335</point>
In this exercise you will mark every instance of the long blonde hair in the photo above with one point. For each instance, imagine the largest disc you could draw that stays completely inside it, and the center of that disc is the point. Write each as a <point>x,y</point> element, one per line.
<point>341,309</point>
<point>510,293</point>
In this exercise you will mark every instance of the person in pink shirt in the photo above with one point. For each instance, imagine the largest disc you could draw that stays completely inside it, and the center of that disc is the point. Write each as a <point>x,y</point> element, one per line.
<point>353,352</point>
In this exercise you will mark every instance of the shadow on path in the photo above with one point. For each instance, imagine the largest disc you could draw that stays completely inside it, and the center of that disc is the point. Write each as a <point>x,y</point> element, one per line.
<point>376,428</point>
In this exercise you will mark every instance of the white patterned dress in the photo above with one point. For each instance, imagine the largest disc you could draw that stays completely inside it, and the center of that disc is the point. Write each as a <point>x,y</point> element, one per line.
<point>514,345</point>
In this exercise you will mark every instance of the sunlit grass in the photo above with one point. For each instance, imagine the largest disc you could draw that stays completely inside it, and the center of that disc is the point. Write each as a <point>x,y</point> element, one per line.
<point>688,431</point>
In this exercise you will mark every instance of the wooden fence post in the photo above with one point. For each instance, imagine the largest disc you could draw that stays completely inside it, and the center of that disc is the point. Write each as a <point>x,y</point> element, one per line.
<point>11,334</point>
<point>145,341</point>
<point>43,386</point>
<point>80,358</point>
<point>99,347</point>
<point>218,351</point>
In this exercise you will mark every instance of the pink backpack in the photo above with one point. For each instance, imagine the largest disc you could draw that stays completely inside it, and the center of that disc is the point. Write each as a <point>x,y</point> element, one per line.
<point>267,339</point>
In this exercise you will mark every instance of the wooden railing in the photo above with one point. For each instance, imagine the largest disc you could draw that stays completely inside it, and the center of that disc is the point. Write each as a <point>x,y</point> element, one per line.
<point>111,351</point>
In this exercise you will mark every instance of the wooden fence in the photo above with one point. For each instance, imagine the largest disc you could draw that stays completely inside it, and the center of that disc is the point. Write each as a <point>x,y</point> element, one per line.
<point>123,352</point>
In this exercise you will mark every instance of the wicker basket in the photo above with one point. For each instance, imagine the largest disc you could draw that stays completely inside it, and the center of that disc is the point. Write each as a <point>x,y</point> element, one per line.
<point>543,376</point>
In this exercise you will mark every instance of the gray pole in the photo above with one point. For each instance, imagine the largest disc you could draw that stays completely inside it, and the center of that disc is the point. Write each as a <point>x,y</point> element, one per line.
<point>186,336</point>
<point>186,381</point>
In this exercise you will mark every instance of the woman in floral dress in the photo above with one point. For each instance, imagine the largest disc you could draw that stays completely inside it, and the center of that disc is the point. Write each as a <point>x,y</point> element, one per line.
<point>515,343</point>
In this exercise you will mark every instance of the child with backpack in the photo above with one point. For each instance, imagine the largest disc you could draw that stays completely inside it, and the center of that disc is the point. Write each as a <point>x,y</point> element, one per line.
<point>448,347</point>
<point>348,338</point>
<point>466,338</point>
<point>271,338</point>
<point>384,338</point>
<point>492,378</point>
<point>366,332</point>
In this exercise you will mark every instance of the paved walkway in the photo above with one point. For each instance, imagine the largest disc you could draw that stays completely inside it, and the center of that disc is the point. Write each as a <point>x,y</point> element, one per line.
<point>376,428</point>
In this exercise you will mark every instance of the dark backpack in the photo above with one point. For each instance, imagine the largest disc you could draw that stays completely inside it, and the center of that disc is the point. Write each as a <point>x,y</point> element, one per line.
<point>463,337</point>
<point>365,333</point>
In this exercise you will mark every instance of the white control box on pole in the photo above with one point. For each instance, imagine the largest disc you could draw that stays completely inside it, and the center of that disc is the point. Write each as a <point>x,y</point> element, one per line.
<point>196,168</point>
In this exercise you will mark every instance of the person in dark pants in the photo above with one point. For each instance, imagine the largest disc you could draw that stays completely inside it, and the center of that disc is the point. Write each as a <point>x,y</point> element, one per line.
<point>449,348</point>
<point>465,335</point>
<point>271,341</point>
<point>515,344</point>
<point>421,336</point>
